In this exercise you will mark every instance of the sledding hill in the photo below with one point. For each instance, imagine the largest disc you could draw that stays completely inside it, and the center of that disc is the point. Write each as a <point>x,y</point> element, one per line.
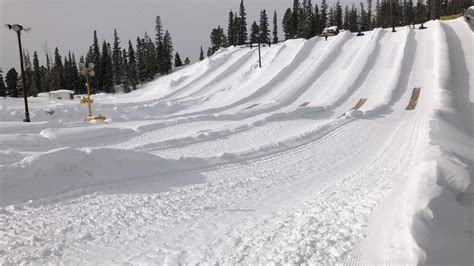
<point>355,150</point>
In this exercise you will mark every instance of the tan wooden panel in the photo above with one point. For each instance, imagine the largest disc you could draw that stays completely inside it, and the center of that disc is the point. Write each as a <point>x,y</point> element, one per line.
<point>251,106</point>
<point>415,95</point>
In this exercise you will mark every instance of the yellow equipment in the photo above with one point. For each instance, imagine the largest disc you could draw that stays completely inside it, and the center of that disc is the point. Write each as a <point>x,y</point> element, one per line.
<point>89,72</point>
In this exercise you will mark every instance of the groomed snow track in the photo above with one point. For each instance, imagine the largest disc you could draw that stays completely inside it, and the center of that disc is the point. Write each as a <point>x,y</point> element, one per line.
<point>299,178</point>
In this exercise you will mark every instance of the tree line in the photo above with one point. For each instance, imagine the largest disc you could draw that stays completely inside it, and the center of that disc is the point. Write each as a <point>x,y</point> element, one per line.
<point>305,20</point>
<point>140,62</point>
<point>114,66</point>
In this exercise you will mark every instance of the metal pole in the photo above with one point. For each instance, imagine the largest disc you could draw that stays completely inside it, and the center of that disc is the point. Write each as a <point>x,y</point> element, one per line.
<point>88,96</point>
<point>23,79</point>
<point>259,56</point>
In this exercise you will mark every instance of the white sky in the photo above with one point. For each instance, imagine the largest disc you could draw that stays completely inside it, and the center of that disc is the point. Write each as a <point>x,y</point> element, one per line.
<point>69,24</point>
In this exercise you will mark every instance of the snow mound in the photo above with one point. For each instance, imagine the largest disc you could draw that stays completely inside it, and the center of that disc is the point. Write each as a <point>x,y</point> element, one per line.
<point>67,169</point>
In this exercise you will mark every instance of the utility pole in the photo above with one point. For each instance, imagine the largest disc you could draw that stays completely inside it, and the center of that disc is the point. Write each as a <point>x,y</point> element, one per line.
<point>18,28</point>
<point>259,56</point>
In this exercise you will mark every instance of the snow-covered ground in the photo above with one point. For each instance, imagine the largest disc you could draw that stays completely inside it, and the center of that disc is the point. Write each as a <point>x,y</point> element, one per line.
<point>226,163</point>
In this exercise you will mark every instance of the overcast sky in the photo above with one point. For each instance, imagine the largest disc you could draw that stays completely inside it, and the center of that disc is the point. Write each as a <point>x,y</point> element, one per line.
<point>69,24</point>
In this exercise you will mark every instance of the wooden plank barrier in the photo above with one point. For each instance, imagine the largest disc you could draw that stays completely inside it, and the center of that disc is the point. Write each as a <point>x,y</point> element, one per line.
<point>414,99</point>
<point>251,106</point>
<point>359,104</point>
<point>305,104</point>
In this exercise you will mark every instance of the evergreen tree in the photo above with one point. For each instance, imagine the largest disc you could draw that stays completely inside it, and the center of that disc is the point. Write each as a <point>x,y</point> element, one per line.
<point>369,15</point>
<point>264,33</point>
<point>275,28</point>
<point>217,39</point>
<point>3,88</point>
<point>29,75</point>
<point>187,61</point>
<point>316,21</point>
<point>295,13</point>
<point>287,24</point>
<point>117,59</point>
<point>11,80</point>
<point>107,69</point>
<point>209,52</point>
<point>201,54</point>
<point>57,72</point>
<point>167,53</point>
<point>323,15</point>
<point>353,20</point>
<point>338,15</point>
<point>254,33</point>
<point>141,67</point>
<point>159,31</point>
<point>421,13</point>
<point>243,37</point>
<point>159,44</point>
<point>177,60</point>
<point>332,17</point>
<point>94,57</point>
<point>149,50</point>
<point>346,18</point>
<point>132,67</point>
<point>125,72</point>
<point>231,30</point>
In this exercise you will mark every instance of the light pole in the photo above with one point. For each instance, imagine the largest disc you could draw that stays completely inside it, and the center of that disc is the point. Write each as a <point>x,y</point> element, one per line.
<point>89,72</point>
<point>18,28</point>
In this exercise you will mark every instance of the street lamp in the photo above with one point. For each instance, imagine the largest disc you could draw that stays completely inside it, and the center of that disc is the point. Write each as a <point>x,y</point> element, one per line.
<point>18,28</point>
<point>89,72</point>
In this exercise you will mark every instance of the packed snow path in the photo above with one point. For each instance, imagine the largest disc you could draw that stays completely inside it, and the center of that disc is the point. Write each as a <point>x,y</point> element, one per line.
<point>276,183</point>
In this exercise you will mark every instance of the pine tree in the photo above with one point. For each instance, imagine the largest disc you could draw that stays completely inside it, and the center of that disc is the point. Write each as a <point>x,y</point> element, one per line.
<point>287,24</point>
<point>264,31</point>
<point>323,15</point>
<point>275,28</point>
<point>316,21</point>
<point>231,29</point>
<point>338,15</point>
<point>209,52</point>
<point>29,75</point>
<point>95,56</point>
<point>254,33</point>
<point>141,67</point>
<point>159,31</point>
<point>57,72</point>
<point>107,69</point>
<point>35,86</point>
<point>149,51</point>
<point>217,39</point>
<point>243,37</point>
<point>3,88</point>
<point>177,60</point>
<point>117,59</point>
<point>125,72</point>
<point>159,44</point>
<point>201,54</point>
<point>346,18</point>
<point>168,53</point>
<point>187,61</point>
<point>331,18</point>
<point>369,15</point>
<point>11,80</point>
<point>295,12</point>
<point>132,67</point>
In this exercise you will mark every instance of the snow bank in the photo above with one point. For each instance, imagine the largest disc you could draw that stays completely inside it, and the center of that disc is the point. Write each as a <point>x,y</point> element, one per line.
<point>64,170</point>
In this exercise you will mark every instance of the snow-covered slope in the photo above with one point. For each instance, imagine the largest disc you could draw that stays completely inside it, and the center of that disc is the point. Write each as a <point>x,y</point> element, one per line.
<point>312,158</point>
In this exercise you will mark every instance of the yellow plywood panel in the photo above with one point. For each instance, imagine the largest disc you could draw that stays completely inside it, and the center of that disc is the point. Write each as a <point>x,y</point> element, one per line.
<point>251,106</point>
<point>359,104</point>
<point>305,104</point>
<point>415,95</point>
